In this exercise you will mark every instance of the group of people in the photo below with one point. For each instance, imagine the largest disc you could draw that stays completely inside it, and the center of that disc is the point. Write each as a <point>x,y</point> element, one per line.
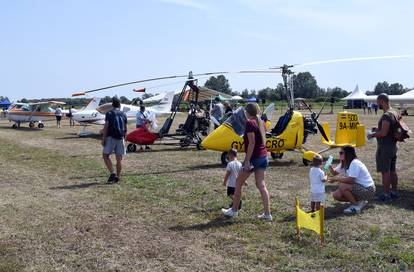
<point>59,115</point>
<point>369,106</point>
<point>355,184</point>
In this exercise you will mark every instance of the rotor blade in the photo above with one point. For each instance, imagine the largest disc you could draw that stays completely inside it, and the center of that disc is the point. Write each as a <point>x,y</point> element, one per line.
<point>257,72</point>
<point>134,82</point>
<point>322,131</point>
<point>352,59</point>
<point>323,106</point>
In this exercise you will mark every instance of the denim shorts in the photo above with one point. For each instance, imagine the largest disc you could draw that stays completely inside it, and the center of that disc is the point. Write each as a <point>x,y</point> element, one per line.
<point>259,163</point>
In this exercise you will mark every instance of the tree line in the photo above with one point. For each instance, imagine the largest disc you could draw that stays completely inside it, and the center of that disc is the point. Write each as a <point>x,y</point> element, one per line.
<point>304,85</point>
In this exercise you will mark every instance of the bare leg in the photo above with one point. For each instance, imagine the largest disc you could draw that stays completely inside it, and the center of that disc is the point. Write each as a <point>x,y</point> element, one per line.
<point>243,176</point>
<point>317,206</point>
<point>386,182</point>
<point>260,184</point>
<point>347,194</point>
<point>108,163</point>
<point>312,206</point>
<point>118,166</point>
<point>394,181</point>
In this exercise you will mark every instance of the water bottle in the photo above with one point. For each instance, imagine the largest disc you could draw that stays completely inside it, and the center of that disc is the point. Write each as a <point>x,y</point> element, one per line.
<point>328,163</point>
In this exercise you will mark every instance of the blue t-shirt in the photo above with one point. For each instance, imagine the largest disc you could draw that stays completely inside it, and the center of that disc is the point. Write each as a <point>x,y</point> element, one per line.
<point>117,122</point>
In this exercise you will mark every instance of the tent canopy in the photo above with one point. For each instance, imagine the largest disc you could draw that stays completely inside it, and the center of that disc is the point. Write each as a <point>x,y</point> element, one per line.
<point>357,94</point>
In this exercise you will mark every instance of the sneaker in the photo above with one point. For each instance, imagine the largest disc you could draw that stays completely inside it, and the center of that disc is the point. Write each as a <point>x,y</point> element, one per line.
<point>267,217</point>
<point>386,198</point>
<point>111,178</point>
<point>353,209</point>
<point>394,195</point>
<point>116,180</point>
<point>361,204</point>
<point>229,212</point>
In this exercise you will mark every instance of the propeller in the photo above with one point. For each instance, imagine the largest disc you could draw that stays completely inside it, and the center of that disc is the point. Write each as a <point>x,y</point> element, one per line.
<point>315,117</point>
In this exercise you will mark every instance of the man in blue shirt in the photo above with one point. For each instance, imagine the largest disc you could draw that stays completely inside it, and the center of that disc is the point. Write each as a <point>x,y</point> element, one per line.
<point>114,133</point>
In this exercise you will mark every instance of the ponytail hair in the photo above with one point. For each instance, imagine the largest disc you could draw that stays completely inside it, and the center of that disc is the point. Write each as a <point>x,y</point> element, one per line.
<point>253,109</point>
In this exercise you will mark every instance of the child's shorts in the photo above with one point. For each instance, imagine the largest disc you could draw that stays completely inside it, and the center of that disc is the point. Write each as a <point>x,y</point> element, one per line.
<point>317,197</point>
<point>230,191</point>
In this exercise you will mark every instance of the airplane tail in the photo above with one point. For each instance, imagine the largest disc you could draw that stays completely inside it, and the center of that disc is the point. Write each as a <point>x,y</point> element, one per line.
<point>93,104</point>
<point>165,105</point>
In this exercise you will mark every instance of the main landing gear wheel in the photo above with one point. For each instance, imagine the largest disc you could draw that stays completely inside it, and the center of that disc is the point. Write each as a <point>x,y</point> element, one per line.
<point>31,125</point>
<point>14,126</point>
<point>224,158</point>
<point>184,142</point>
<point>305,162</point>
<point>132,148</point>
<point>40,125</point>
<point>276,155</point>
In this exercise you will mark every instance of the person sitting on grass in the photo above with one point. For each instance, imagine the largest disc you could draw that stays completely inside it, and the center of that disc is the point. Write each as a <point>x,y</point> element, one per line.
<point>358,186</point>
<point>317,183</point>
<point>232,171</point>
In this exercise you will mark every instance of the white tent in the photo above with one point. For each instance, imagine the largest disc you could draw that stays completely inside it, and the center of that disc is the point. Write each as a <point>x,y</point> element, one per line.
<point>236,97</point>
<point>357,94</point>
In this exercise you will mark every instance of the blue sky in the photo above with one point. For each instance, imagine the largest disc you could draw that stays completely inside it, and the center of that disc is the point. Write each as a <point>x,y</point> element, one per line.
<point>56,48</point>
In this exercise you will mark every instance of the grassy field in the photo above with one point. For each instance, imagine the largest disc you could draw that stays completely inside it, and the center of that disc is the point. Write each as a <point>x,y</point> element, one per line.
<point>57,213</point>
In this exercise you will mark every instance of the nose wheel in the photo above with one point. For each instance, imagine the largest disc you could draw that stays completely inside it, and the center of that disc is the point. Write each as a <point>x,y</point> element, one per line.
<point>132,148</point>
<point>40,125</point>
<point>224,158</point>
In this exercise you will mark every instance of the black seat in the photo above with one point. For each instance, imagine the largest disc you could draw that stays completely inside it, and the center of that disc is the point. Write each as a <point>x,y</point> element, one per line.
<point>282,123</point>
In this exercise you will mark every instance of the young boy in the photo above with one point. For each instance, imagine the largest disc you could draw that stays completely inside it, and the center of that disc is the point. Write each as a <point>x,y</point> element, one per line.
<point>317,183</point>
<point>232,171</point>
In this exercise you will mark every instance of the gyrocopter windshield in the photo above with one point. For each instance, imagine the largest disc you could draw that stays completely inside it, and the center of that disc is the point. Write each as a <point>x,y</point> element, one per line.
<point>237,121</point>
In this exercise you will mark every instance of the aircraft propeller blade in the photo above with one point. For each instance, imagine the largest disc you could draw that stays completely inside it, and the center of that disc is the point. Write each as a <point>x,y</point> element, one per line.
<point>322,131</point>
<point>323,106</point>
<point>141,90</point>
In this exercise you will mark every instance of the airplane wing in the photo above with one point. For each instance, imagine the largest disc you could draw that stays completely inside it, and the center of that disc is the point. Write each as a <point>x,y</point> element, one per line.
<point>47,103</point>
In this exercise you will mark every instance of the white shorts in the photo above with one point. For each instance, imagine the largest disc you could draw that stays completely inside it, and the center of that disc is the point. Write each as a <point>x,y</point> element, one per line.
<point>116,146</point>
<point>317,197</point>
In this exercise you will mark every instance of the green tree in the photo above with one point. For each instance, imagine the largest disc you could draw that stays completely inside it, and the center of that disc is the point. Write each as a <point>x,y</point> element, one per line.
<point>382,87</point>
<point>219,83</point>
<point>146,95</point>
<point>125,100</point>
<point>24,100</point>
<point>245,93</point>
<point>396,89</point>
<point>305,85</point>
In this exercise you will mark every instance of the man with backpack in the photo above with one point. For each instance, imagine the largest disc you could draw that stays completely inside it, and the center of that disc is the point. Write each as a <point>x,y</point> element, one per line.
<point>113,137</point>
<point>386,155</point>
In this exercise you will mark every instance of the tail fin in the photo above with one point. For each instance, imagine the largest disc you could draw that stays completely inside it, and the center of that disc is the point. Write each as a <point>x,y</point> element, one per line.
<point>165,105</point>
<point>93,104</point>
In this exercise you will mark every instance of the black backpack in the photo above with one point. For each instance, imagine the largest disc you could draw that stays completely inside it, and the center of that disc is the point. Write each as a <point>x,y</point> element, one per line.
<point>118,125</point>
<point>401,131</point>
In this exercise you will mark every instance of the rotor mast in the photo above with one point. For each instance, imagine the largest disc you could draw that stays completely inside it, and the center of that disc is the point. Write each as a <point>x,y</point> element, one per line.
<point>286,75</point>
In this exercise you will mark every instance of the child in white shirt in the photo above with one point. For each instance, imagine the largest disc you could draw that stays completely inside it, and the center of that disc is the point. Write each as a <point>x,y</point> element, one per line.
<point>232,171</point>
<point>317,183</point>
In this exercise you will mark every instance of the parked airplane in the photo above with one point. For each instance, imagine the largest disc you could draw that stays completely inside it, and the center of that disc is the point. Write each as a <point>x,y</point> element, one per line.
<point>96,115</point>
<point>32,113</point>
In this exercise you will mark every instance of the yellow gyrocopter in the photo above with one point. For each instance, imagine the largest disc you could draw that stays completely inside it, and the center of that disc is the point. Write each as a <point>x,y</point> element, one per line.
<point>290,132</point>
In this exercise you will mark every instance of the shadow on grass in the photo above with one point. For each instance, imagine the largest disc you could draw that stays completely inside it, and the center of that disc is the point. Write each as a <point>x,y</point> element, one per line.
<point>404,202</point>
<point>181,149</point>
<point>72,136</point>
<point>276,163</point>
<point>218,222</point>
<point>80,186</point>
<point>22,128</point>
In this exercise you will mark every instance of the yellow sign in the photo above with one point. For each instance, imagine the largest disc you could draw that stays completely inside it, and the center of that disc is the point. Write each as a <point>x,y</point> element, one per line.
<point>313,221</point>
